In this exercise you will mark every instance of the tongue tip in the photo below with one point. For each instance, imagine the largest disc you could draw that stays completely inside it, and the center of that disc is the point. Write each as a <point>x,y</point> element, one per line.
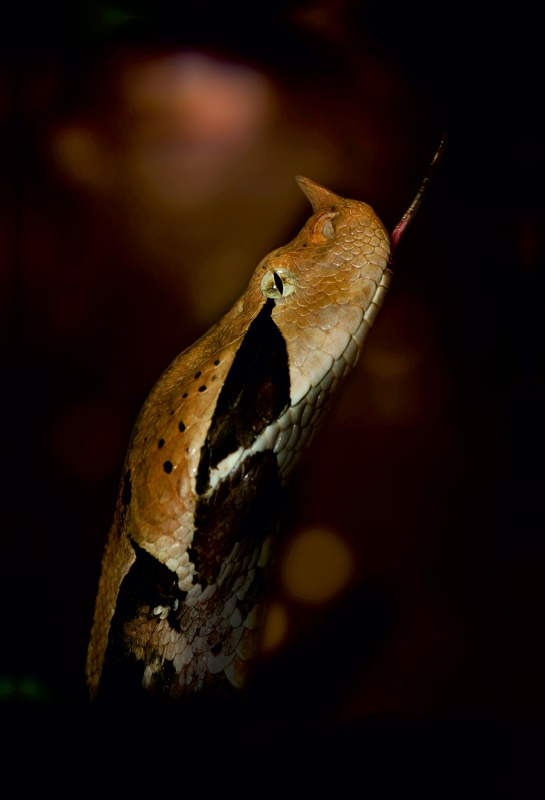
<point>410,214</point>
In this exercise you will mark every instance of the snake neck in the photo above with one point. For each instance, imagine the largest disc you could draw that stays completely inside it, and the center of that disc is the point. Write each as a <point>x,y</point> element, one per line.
<point>175,643</point>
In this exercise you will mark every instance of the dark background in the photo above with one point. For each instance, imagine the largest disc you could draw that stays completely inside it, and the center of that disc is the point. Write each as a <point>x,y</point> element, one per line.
<point>431,465</point>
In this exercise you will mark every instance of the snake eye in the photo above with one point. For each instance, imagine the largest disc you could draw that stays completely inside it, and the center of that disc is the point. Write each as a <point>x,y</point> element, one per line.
<point>278,282</point>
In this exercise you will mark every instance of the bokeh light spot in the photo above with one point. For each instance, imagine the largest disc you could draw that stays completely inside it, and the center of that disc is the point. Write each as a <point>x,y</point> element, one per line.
<point>390,364</point>
<point>78,152</point>
<point>115,16</point>
<point>317,565</point>
<point>275,627</point>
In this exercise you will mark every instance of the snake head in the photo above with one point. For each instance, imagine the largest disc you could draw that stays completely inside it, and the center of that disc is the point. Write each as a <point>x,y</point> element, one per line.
<point>328,284</point>
<point>330,281</point>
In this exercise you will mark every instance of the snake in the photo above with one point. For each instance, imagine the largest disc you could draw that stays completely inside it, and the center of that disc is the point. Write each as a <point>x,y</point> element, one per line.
<point>188,559</point>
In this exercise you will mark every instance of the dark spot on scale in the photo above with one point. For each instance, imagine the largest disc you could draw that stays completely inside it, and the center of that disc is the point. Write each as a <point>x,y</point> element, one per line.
<point>214,377</point>
<point>184,395</point>
<point>167,466</point>
<point>305,244</point>
<point>198,374</point>
<point>172,413</point>
<point>160,443</point>
<point>181,427</point>
<point>216,362</point>
<point>145,438</point>
<point>216,649</point>
<point>202,388</point>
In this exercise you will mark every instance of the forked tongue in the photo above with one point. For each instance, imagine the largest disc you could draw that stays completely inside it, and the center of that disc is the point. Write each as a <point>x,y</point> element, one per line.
<point>410,213</point>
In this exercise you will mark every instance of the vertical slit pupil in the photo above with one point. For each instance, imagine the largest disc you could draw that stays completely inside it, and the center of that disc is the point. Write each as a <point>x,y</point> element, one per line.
<point>278,283</point>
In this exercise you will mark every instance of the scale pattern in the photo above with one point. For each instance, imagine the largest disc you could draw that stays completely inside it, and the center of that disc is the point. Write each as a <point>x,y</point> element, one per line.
<point>185,571</point>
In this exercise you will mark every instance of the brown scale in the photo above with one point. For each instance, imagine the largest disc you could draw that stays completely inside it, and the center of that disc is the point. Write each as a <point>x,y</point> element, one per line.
<point>185,570</point>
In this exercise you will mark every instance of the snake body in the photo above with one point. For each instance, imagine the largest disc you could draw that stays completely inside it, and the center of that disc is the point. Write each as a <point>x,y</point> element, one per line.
<point>182,589</point>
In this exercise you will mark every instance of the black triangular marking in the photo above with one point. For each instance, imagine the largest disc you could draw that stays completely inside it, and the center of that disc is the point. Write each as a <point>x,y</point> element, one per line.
<point>255,393</point>
<point>147,584</point>
<point>245,507</point>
